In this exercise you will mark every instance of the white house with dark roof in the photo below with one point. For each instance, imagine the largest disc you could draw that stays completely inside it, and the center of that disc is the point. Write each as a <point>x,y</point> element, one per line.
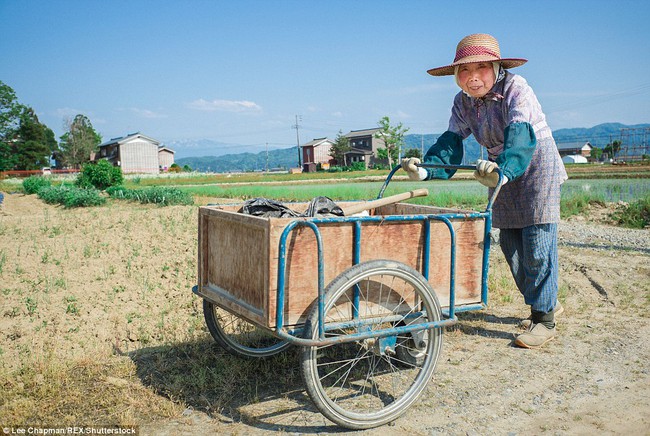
<point>136,153</point>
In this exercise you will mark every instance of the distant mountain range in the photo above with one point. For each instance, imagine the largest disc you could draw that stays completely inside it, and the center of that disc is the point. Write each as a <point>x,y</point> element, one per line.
<point>218,157</point>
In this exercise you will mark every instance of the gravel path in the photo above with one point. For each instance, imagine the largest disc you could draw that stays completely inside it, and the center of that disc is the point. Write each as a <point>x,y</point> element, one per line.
<point>599,236</point>
<point>585,234</point>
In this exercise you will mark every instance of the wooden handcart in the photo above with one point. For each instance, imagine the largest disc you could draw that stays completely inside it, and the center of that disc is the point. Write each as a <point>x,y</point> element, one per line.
<point>366,297</point>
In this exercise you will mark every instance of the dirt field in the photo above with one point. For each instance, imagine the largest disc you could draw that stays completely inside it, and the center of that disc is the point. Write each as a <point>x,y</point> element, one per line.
<point>98,326</point>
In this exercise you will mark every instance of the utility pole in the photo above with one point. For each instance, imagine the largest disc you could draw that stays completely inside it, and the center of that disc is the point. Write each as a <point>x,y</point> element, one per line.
<point>297,126</point>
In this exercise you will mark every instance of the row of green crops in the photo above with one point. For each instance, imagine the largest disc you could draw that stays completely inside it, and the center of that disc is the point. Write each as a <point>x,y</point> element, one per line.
<point>71,196</point>
<point>163,196</point>
<point>74,196</point>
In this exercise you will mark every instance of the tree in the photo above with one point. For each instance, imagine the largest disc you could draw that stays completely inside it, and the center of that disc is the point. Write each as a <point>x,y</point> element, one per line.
<point>33,143</point>
<point>613,148</point>
<point>413,152</point>
<point>596,153</point>
<point>339,148</point>
<point>79,142</point>
<point>25,143</point>
<point>393,137</point>
<point>10,111</point>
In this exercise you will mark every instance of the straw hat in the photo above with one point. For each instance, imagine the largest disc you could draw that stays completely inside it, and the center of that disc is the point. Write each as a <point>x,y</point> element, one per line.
<point>479,47</point>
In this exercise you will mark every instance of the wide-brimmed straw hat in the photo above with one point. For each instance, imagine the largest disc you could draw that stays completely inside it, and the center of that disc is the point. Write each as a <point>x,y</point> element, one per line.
<point>479,47</point>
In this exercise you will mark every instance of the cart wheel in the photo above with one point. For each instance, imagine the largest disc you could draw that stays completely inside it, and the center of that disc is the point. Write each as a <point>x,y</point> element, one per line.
<point>367,383</point>
<point>238,336</point>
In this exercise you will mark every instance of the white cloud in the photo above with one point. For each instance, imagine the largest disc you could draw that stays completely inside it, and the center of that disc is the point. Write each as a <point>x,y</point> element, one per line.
<point>224,105</point>
<point>146,113</point>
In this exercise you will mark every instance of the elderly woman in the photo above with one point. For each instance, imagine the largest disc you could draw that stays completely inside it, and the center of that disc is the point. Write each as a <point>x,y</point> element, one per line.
<point>502,112</point>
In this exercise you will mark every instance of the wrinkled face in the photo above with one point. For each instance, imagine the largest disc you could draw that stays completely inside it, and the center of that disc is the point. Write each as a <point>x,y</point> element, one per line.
<point>477,78</point>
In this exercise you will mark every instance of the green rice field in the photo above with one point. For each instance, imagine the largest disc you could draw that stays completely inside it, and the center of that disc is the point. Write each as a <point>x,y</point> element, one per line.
<point>443,193</point>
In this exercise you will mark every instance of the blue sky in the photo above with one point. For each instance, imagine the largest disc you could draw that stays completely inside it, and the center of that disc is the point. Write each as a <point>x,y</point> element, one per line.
<point>239,71</point>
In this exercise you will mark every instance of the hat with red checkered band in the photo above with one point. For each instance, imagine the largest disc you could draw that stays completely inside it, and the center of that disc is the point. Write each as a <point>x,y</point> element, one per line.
<point>479,47</point>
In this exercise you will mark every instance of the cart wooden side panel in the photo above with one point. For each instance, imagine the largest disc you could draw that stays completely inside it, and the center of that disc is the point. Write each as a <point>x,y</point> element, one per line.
<point>238,258</point>
<point>234,261</point>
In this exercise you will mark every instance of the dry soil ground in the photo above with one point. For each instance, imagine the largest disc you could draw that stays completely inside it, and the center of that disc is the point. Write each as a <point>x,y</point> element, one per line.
<point>97,320</point>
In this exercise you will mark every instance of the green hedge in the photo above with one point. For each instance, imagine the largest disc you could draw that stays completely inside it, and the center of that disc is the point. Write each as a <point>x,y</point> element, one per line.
<point>33,184</point>
<point>70,196</point>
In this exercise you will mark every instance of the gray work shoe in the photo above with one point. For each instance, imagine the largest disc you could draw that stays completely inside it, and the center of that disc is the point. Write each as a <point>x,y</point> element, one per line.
<point>524,324</point>
<point>535,337</point>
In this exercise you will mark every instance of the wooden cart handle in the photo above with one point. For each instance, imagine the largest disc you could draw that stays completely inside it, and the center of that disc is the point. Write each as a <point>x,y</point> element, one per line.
<point>365,205</point>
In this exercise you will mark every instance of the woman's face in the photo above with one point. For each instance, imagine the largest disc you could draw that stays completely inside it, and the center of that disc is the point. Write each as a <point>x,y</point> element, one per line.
<point>477,78</point>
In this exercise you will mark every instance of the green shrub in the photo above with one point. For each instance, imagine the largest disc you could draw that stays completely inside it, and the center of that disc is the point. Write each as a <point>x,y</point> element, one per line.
<point>53,194</point>
<point>33,184</point>
<point>83,198</point>
<point>100,175</point>
<point>70,196</point>
<point>358,166</point>
<point>636,215</point>
<point>118,191</point>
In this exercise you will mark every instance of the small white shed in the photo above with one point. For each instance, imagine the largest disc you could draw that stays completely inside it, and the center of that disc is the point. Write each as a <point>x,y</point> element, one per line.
<point>574,159</point>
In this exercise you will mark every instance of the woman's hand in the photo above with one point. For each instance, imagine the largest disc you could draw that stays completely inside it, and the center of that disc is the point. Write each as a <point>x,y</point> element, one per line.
<point>485,173</point>
<point>409,165</point>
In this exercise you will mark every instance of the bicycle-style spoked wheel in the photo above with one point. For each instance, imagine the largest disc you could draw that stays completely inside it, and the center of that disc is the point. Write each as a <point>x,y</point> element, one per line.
<point>238,336</point>
<point>367,383</point>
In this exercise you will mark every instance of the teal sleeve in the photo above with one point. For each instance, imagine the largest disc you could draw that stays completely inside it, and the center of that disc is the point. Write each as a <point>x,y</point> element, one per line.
<point>518,147</point>
<point>447,150</point>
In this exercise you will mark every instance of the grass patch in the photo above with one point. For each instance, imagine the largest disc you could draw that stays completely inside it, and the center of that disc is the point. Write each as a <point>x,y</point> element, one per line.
<point>635,215</point>
<point>578,203</point>
<point>92,391</point>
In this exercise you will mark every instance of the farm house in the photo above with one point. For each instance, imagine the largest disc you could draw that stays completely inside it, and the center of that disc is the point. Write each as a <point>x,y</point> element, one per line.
<point>316,152</point>
<point>136,153</point>
<point>365,146</point>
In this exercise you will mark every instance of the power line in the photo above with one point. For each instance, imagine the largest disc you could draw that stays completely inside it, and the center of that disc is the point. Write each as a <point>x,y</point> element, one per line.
<point>598,99</point>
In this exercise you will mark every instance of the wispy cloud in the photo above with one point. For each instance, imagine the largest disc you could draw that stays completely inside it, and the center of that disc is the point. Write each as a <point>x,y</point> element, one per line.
<point>224,105</point>
<point>146,113</point>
